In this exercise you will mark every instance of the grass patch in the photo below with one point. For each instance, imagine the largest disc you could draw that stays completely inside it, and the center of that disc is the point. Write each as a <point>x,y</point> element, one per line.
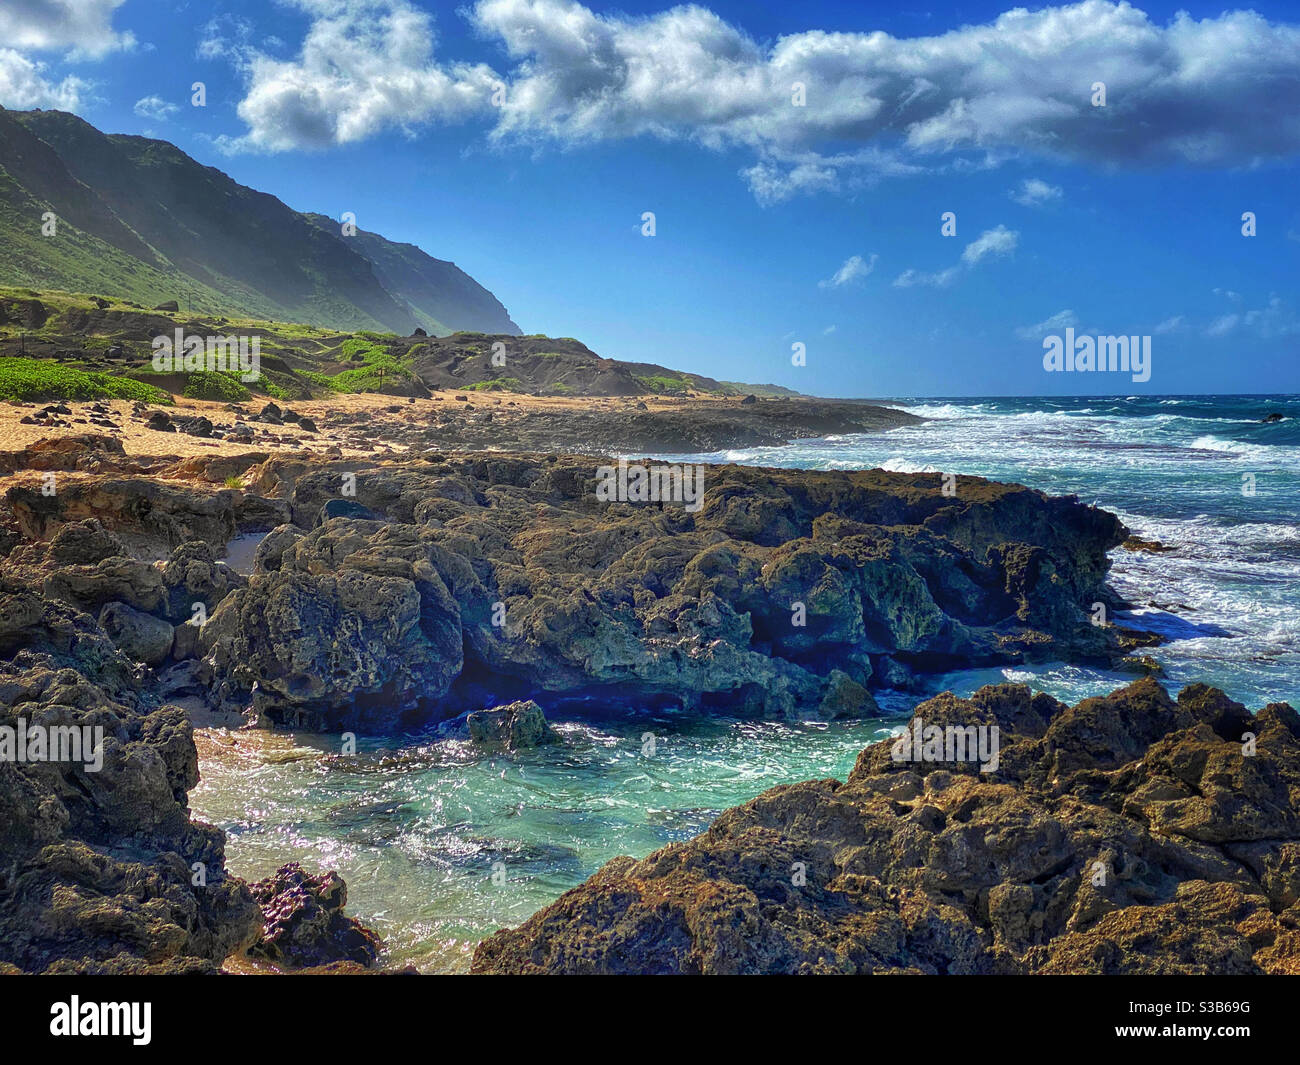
<point>661,385</point>
<point>498,384</point>
<point>214,385</point>
<point>32,380</point>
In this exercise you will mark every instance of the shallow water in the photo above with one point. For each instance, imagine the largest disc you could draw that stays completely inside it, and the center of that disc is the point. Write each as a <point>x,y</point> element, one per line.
<point>416,824</point>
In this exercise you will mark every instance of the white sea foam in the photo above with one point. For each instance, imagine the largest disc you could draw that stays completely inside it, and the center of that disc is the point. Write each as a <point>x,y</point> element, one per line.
<point>940,411</point>
<point>902,465</point>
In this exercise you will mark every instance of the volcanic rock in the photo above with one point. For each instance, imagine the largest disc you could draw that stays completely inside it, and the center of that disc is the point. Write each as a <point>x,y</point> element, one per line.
<point>1128,834</point>
<point>304,924</point>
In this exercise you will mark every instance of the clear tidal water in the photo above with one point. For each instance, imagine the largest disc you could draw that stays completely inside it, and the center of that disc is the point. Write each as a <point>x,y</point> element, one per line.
<point>440,845</point>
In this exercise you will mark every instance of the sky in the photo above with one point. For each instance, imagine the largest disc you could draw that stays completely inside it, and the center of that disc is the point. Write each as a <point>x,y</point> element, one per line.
<point>798,160</point>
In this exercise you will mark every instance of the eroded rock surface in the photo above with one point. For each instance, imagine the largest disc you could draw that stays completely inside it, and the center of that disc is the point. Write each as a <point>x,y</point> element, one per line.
<point>101,868</point>
<point>304,923</point>
<point>514,728</point>
<point>1128,834</point>
<point>465,581</point>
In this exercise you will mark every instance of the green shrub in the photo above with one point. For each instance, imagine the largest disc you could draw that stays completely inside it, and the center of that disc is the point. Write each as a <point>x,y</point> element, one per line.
<point>39,379</point>
<point>499,384</point>
<point>320,380</point>
<point>661,384</point>
<point>214,385</point>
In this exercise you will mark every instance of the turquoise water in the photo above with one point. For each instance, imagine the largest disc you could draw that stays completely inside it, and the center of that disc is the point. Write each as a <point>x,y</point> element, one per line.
<point>419,826</point>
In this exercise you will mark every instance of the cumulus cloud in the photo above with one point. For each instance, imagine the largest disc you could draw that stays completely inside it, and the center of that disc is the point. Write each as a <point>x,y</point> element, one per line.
<point>365,66</point>
<point>24,84</point>
<point>81,27</point>
<point>78,29</point>
<point>999,241</point>
<point>1057,323</point>
<point>155,107</point>
<point>820,110</point>
<point>854,268</point>
<point>1034,192</point>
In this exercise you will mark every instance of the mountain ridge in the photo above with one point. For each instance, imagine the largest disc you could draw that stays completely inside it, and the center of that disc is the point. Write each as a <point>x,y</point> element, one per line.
<point>140,219</point>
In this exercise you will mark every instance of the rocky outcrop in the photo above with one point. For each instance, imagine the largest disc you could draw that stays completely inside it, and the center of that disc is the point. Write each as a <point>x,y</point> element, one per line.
<point>141,636</point>
<point>462,582</point>
<point>1128,834</point>
<point>101,868</point>
<point>513,728</point>
<point>304,924</point>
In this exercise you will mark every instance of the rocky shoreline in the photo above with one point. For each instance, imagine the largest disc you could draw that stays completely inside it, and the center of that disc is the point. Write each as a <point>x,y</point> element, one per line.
<point>397,592</point>
<point>1131,834</point>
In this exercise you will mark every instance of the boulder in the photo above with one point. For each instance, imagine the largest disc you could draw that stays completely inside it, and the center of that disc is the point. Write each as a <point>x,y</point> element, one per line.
<point>304,923</point>
<point>515,727</point>
<point>140,636</point>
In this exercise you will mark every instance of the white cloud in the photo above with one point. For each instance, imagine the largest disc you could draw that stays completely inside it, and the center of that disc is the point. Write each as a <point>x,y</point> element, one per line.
<point>1188,90</point>
<point>155,107</point>
<point>81,27</point>
<point>1169,324</point>
<point>24,84</point>
<point>1223,325</point>
<point>364,67</point>
<point>1274,319</point>
<point>828,330</point>
<point>999,241</point>
<point>1034,192</point>
<point>1057,323</point>
<point>854,268</point>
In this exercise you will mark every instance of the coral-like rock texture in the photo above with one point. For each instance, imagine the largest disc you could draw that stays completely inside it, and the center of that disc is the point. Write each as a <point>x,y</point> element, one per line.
<point>464,581</point>
<point>1130,834</point>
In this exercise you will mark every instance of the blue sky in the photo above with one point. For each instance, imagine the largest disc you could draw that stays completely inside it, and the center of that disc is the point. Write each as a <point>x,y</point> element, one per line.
<point>775,224</point>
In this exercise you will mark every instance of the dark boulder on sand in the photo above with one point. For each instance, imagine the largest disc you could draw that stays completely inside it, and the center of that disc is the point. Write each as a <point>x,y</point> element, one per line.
<point>1131,834</point>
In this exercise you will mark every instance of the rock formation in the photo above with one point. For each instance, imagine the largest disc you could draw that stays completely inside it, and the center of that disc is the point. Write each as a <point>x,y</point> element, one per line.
<point>460,582</point>
<point>304,923</point>
<point>1130,834</point>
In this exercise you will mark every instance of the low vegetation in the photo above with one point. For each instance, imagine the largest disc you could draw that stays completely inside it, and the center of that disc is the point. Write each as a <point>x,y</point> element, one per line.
<point>36,380</point>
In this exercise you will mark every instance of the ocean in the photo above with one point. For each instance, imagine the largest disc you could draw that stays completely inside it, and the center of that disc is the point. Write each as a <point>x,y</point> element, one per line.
<point>441,845</point>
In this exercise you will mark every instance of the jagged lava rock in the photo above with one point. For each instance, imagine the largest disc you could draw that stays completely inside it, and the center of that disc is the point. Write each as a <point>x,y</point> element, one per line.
<point>304,922</point>
<point>101,869</point>
<point>1128,834</point>
<point>381,617</point>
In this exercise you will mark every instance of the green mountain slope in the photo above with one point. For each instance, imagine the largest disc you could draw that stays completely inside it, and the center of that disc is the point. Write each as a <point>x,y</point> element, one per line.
<point>441,297</point>
<point>140,220</point>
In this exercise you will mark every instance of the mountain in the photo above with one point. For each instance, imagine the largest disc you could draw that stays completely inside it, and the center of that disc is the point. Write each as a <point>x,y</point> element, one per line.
<point>138,219</point>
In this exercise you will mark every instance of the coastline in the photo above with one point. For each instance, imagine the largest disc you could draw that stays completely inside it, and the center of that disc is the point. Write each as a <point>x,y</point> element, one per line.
<point>428,542</point>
